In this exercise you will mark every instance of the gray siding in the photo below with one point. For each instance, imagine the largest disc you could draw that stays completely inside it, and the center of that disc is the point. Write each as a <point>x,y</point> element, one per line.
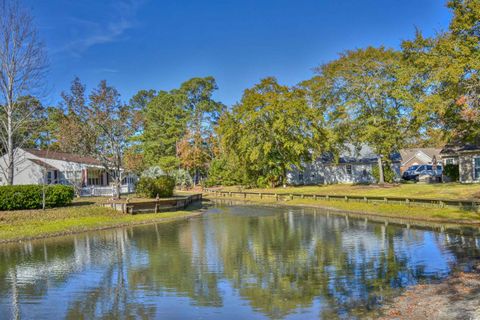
<point>466,167</point>
<point>329,173</point>
<point>320,173</point>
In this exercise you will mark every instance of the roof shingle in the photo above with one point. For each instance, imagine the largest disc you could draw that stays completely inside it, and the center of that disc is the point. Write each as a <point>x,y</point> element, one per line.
<point>55,155</point>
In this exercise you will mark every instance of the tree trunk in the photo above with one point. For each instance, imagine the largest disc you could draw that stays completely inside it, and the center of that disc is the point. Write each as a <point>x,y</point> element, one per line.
<point>118,182</point>
<point>284,176</point>
<point>195,177</point>
<point>43,188</point>
<point>117,188</point>
<point>10,150</point>
<point>381,179</point>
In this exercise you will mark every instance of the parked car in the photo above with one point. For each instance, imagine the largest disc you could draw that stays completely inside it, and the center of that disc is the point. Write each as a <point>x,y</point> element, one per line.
<point>413,172</point>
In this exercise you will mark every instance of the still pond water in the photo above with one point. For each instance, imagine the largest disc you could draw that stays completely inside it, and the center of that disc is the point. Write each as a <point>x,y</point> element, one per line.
<point>234,262</point>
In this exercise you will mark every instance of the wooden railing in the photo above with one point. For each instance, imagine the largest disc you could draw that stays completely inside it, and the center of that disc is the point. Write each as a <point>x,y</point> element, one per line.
<point>410,201</point>
<point>107,191</point>
<point>155,205</point>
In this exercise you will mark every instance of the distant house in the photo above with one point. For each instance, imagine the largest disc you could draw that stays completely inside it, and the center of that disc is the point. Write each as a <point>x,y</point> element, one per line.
<point>467,157</point>
<point>33,166</point>
<point>418,156</point>
<point>354,165</point>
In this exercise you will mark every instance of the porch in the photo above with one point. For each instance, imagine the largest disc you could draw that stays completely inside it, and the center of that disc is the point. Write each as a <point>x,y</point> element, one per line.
<point>100,183</point>
<point>91,181</point>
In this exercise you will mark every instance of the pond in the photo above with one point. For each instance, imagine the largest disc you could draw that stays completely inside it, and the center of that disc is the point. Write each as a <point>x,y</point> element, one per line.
<point>234,262</point>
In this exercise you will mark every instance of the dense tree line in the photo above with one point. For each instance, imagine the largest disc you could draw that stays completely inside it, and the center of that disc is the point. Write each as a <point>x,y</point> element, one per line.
<point>425,94</point>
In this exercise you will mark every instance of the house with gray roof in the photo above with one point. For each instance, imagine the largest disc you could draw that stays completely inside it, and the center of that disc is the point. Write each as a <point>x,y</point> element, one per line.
<point>354,165</point>
<point>467,157</point>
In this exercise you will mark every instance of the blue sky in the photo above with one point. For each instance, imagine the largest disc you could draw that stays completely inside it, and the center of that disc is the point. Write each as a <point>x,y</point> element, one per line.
<point>157,44</point>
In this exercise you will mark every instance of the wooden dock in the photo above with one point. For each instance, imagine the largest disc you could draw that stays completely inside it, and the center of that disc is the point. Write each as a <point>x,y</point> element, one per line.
<point>155,205</point>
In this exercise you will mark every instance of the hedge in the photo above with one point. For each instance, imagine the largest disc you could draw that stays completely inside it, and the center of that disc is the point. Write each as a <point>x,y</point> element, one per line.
<point>388,173</point>
<point>452,171</point>
<point>30,196</point>
<point>152,187</point>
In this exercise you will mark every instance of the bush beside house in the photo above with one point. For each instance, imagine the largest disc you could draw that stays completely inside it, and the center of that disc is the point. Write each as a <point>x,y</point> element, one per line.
<point>23,197</point>
<point>161,186</point>
<point>452,172</point>
<point>389,174</point>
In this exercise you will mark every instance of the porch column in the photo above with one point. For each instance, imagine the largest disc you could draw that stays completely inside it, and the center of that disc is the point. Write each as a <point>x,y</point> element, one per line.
<point>85,177</point>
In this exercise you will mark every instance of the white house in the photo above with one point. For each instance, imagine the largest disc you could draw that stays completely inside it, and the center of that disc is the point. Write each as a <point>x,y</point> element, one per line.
<point>354,165</point>
<point>33,166</point>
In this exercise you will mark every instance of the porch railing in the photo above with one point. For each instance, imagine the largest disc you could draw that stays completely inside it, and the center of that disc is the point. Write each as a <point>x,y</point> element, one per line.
<point>109,191</point>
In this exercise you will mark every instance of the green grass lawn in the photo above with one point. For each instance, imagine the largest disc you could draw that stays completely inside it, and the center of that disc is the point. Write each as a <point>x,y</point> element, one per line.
<point>400,211</point>
<point>84,214</point>
<point>441,190</point>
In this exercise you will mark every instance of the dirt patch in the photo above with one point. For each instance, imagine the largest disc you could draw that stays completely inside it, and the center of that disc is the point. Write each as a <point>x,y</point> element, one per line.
<point>476,195</point>
<point>458,297</point>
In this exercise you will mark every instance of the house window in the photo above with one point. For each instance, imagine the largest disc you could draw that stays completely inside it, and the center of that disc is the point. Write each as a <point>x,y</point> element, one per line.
<point>449,161</point>
<point>73,175</point>
<point>476,168</point>
<point>349,169</point>
<point>94,177</point>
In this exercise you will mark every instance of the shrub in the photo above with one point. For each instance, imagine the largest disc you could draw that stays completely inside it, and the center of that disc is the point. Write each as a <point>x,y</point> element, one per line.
<point>388,173</point>
<point>183,179</point>
<point>153,172</point>
<point>31,196</point>
<point>151,187</point>
<point>452,172</point>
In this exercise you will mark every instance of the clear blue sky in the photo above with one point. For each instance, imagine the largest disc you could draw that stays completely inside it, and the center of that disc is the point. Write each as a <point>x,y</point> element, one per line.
<point>157,44</point>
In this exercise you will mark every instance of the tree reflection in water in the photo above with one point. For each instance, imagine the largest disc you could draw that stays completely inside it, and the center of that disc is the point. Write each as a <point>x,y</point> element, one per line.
<point>243,261</point>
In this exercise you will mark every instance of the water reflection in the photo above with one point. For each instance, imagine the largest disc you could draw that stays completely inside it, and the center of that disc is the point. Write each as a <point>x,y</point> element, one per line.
<point>240,262</point>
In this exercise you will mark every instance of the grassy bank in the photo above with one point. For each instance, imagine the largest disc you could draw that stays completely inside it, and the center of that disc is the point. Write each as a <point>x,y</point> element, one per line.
<point>446,191</point>
<point>400,211</point>
<point>83,215</point>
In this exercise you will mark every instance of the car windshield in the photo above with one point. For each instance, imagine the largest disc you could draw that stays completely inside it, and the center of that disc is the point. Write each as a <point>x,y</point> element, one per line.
<point>412,168</point>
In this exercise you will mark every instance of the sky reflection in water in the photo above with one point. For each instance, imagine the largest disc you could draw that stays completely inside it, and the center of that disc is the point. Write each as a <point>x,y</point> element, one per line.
<point>236,261</point>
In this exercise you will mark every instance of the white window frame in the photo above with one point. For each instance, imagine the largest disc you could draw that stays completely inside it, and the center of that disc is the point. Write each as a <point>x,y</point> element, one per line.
<point>449,161</point>
<point>475,177</point>
<point>348,168</point>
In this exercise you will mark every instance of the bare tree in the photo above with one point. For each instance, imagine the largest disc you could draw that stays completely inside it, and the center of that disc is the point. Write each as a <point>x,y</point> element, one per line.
<point>114,123</point>
<point>23,64</point>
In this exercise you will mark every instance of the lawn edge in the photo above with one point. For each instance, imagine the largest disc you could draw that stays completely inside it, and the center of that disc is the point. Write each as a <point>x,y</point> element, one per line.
<point>188,216</point>
<point>360,213</point>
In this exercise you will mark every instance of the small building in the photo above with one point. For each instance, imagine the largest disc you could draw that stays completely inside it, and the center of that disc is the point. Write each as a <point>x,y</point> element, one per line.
<point>419,156</point>
<point>86,174</point>
<point>354,165</point>
<point>467,157</point>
